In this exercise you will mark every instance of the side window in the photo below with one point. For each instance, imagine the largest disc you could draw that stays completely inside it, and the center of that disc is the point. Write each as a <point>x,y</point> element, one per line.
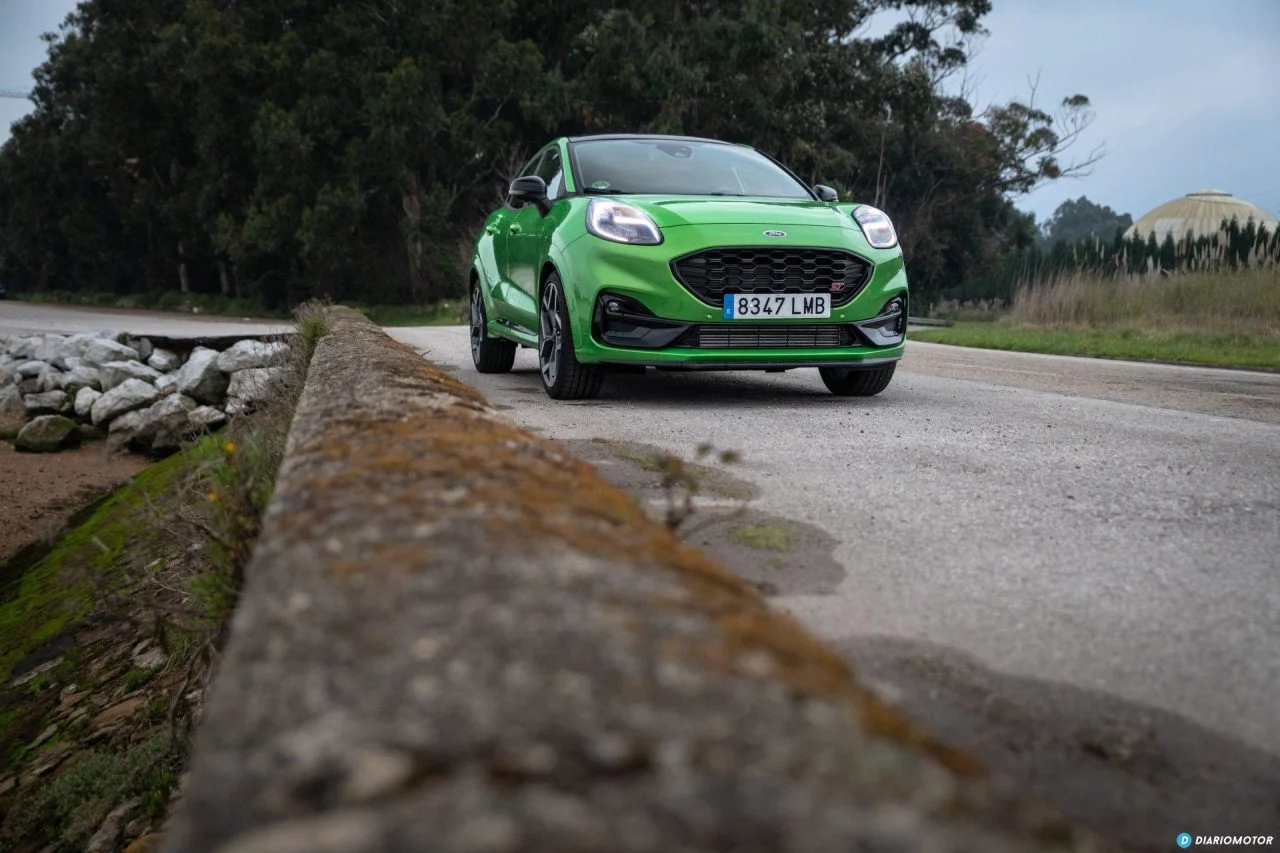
<point>551,171</point>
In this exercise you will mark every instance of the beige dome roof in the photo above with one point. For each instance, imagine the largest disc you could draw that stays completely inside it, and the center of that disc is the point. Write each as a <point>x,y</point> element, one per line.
<point>1200,212</point>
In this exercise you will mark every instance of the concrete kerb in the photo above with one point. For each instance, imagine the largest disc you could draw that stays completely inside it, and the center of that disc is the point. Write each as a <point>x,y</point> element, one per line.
<point>454,636</point>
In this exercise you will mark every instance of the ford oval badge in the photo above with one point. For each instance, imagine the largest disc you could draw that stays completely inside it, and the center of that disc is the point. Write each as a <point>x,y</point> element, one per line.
<point>775,233</point>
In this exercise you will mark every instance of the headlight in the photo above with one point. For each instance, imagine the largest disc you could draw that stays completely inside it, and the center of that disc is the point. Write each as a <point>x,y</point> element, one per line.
<point>876,226</point>
<point>621,223</point>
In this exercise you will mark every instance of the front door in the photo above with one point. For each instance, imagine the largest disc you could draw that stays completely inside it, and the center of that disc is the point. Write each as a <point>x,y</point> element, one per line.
<point>528,234</point>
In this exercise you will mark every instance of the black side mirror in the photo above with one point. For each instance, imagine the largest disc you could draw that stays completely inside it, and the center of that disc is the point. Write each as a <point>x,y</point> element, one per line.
<point>825,193</point>
<point>531,190</point>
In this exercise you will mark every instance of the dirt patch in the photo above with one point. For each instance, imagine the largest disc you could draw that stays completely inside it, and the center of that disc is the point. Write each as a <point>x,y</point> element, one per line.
<point>777,555</point>
<point>39,492</point>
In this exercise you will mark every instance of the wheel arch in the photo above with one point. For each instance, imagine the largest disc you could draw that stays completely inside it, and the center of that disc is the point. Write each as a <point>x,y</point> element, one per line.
<point>581,332</point>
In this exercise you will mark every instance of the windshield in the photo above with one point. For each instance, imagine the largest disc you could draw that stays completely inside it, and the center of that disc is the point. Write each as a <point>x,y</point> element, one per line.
<point>679,167</point>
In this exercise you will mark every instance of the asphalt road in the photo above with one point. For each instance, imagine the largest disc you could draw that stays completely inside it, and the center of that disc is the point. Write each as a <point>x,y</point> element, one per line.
<point>22,317</point>
<point>1077,521</point>
<point>1068,566</point>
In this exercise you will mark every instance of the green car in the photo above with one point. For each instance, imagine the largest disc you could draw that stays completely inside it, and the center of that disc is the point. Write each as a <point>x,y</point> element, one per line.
<point>618,253</point>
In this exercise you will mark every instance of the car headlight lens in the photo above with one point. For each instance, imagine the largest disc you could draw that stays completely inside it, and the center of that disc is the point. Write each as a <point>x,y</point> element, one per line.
<point>876,227</point>
<point>621,223</point>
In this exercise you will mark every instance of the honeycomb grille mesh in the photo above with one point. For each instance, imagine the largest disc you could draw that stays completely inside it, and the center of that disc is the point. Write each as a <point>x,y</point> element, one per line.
<point>712,273</point>
<point>727,336</point>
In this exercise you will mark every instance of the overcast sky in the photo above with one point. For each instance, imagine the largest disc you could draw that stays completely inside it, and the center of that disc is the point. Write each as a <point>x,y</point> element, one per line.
<point>1187,92</point>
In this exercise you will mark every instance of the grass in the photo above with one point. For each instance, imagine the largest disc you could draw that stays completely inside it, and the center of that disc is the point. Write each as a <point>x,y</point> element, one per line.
<point>1139,344</point>
<point>447,312</point>
<point>1228,318</point>
<point>764,536</point>
<point>75,802</point>
<point>38,601</point>
<point>160,558</point>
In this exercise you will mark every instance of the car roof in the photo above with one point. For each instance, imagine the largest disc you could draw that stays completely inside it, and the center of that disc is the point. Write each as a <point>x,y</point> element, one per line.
<point>664,136</point>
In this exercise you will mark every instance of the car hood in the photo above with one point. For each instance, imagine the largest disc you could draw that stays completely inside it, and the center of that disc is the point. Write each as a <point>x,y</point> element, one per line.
<point>673,211</point>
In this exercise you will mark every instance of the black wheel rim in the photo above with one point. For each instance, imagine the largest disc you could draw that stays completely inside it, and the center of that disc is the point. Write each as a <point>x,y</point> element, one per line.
<point>477,323</point>
<point>550,335</point>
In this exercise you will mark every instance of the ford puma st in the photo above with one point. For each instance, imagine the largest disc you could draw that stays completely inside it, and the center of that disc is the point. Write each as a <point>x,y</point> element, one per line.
<point>617,253</point>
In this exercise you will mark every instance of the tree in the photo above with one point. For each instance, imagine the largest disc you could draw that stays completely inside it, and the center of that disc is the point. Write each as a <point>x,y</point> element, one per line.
<point>1082,219</point>
<point>283,149</point>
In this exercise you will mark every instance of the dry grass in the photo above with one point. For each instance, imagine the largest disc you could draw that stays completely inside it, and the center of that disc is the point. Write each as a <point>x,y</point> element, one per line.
<point>1244,302</point>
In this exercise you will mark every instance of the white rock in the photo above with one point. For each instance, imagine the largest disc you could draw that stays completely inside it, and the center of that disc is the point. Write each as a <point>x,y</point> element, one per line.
<point>11,400</point>
<point>48,434</point>
<point>23,348</point>
<point>252,385</point>
<point>167,383</point>
<point>85,398</point>
<point>163,360</point>
<point>50,348</point>
<point>164,425</point>
<point>206,418</point>
<point>99,351</point>
<point>201,379</point>
<point>8,371</point>
<point>142,345</point>
<point>122,429</point>
<point>116,372</point>
<point>49,381</point>
<point>49,402</point>
<point>248,354</point>
<point>126,397</point>
<point>79,377</point>
<point>28,369</point>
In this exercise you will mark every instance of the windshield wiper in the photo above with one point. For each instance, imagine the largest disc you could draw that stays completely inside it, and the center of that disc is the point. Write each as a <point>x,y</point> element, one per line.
<point>735,195</point>
<point>601,191</point>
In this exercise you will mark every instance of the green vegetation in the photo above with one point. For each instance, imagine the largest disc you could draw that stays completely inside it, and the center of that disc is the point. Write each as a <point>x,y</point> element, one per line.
<point>74,803</point>
<point>764,536</point>
<point>162,558</point>
<point>1204,317</point>
<point>1193,347</point>
<point>41,599</point>
<point>446,312</point>
<point>334,150</point>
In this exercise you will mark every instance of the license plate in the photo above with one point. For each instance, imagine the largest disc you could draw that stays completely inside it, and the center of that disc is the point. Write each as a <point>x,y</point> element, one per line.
<point>744,306</point>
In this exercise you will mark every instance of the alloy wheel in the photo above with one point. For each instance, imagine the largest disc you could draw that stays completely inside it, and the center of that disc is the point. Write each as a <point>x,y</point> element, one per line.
<point>550,335</point>
<point>477,323</point>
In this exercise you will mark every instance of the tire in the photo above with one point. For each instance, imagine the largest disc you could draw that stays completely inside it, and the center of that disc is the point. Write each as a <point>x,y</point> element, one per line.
<point>490,355</point>
<point>857,382</point>
<point>563,376</point>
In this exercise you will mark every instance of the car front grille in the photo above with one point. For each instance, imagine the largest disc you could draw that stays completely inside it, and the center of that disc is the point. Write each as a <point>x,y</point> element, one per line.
<point>712,273</point>
<point>735,336</point>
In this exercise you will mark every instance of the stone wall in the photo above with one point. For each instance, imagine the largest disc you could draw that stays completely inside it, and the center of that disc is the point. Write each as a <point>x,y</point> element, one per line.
<point>454,636</point>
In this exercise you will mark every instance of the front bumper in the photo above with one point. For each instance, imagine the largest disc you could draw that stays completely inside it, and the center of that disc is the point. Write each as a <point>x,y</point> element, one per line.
<point>657,321</point>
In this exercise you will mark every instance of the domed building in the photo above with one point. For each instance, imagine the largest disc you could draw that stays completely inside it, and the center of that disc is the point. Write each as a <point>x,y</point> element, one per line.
<point>1200,212</point>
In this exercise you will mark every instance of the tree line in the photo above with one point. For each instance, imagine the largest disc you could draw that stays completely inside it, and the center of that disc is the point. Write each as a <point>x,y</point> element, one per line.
<point>281,150</point>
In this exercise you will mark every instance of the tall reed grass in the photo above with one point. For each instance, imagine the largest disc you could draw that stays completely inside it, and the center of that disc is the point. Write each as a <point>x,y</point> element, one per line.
<point>1243,301</point>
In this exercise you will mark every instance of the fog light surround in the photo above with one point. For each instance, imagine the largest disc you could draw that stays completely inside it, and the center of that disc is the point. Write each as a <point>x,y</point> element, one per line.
<point>889,327</point>
<point>622,321</point>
